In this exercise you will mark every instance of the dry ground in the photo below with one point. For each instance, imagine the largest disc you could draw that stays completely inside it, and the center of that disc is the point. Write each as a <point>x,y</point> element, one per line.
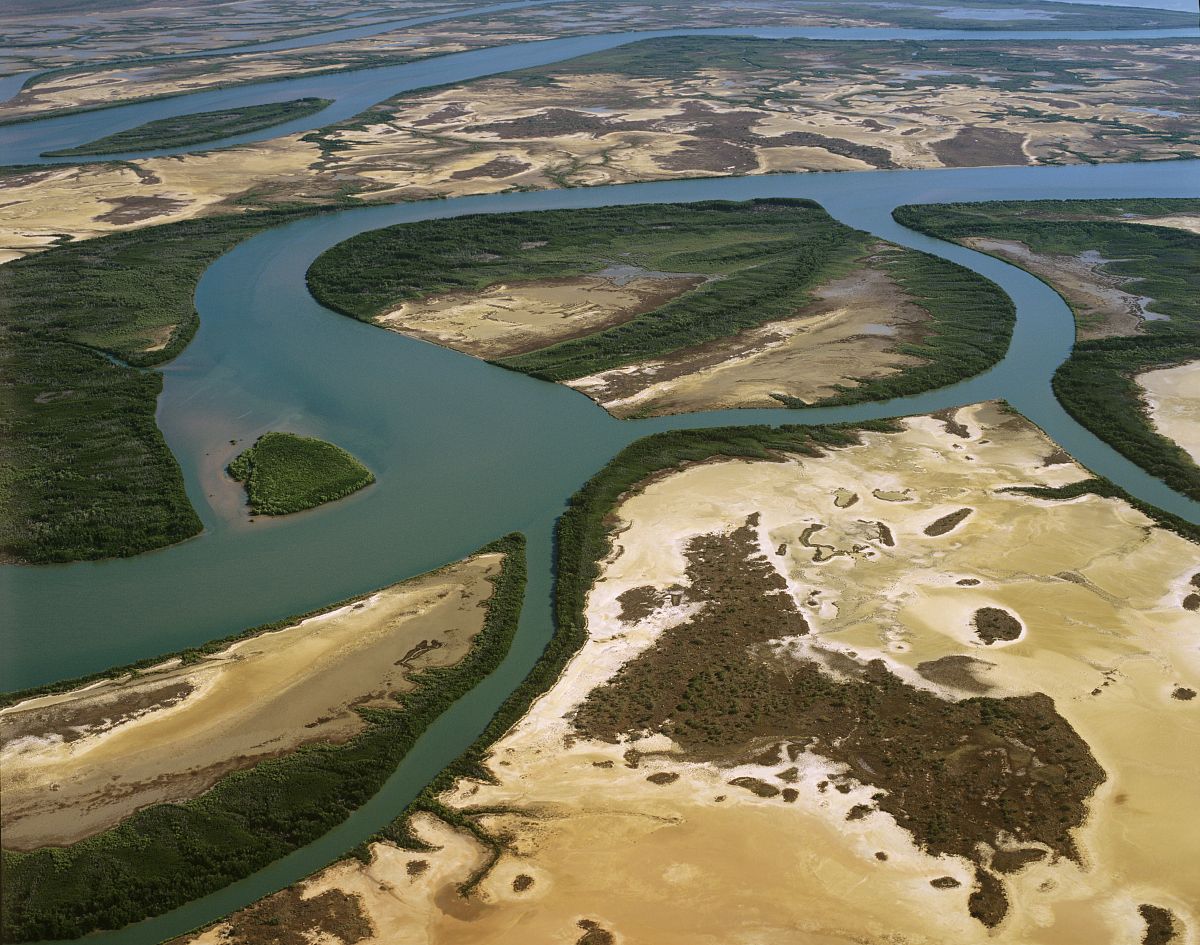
<point>79,762</point>
<point>638,842</point>
<point>849,332</point>
<point>1172,398</point>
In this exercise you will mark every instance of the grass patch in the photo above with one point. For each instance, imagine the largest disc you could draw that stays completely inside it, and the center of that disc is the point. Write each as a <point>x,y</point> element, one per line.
<point>84,471</point>
<point>284,473</point>
<point>1097,383</point>
<point>183,130</point>
<point>170,854</point>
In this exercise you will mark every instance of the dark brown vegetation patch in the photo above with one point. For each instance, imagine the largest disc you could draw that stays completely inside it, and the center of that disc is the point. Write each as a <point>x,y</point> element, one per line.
<point>522,882</point>
<point>594,934</point>
<point>637,603</point>
<point>1183,694</point>
<point>947,522</point>
<point>496,168</point>
<point>981,147</point>
<point>953,773</point>
<point>133,209</point>
<point>992,624</point>
<point>958,671</point>
<point>987,901</point>
<point>1160,925</point>
<point>287,918</point>
<point>756,786</point>
<point>945,882</point>
<point>1012,861</point>
<point>662,777</point>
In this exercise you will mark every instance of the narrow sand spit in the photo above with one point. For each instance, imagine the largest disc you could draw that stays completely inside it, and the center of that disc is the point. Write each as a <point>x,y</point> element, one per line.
<point>634,842</point>
<point>78,762</point>
<point>1172,398</point>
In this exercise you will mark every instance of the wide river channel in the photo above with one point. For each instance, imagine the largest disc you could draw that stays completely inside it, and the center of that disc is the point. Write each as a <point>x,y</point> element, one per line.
<point>464,452</point>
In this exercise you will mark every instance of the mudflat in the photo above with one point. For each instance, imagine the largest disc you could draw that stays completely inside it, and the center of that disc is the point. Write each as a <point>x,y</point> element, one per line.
<point>78,762</point>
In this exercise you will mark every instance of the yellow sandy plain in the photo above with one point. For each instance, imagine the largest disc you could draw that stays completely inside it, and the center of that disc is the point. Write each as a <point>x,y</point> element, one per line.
<point>590,843</point>
<point>1172,398</point>
<point>75,763</point>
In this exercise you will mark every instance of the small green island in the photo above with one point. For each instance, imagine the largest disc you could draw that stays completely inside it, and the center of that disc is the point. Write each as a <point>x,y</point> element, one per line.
<point>285,473</point>
<point>184,130</point>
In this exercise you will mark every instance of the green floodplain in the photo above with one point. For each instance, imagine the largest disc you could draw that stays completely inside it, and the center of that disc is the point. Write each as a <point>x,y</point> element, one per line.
<point>285,473</point>
<point>187,130</point>
<point>1097,384</point>
<point>169,854</point>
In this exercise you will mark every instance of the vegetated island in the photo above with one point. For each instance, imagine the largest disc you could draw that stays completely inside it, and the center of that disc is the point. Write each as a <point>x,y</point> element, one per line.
<point>310,714</point>
<point>84,470</point>
<point>1127,269</point>
<point>667,308</point>
<point>740,688</point>
<point>285,473</point>
<point>184,130</point>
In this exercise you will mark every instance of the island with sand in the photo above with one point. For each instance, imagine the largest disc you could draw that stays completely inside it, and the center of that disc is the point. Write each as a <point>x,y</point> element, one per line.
<point>668,308</point>
<point>133,792</point>
<point>1127,269</point>
<point>914,679</point>
<point>285,473</point>
<point>197,129</point>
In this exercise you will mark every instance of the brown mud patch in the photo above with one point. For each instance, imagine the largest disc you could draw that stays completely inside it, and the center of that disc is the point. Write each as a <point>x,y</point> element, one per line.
<point>1102,307</point>
<point>852,331</point>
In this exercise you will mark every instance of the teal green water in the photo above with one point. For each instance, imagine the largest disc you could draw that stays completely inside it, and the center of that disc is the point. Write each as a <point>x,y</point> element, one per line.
<point>464,452</point>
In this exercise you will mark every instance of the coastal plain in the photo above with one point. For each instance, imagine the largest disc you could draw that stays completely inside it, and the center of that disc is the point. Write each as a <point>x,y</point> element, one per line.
<point>901,577</point>
<point>94,64</point>
<point>664,109</point>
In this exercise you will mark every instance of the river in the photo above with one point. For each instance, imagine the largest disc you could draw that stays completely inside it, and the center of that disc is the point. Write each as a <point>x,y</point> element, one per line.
<point>464,452</point>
